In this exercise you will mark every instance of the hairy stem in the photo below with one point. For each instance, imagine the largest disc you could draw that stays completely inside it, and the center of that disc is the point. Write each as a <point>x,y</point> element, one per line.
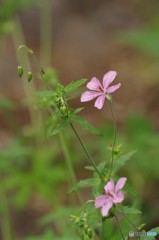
<point>129,219</point>
<point>86,152</point>
<point>119,226</point>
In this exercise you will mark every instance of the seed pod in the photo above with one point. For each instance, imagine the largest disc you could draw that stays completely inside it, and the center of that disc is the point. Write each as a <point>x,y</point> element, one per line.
<point>20,71</point>
<point>29,76</point>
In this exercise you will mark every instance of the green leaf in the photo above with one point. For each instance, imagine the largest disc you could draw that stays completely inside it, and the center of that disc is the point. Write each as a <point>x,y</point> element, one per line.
<point>43,93</point>
<point>74,85</point>
<point>128,210</point>
<point>151,234</point>
<point>58,214</point>
<point>86,125</point>
<point>77,110</point>
<point>156,229</point>
<point>83,184</point>
<point>59,128</point>
<point>120,162</point>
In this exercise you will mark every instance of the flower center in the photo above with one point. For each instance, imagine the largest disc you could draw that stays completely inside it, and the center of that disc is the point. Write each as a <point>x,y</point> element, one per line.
<point>111,195</point>
<point>101,89</point>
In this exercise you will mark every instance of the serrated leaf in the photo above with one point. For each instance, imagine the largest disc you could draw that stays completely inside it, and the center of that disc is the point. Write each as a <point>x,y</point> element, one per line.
<point>120,162</point>
<point>86,125</point>
<point>74,85</point>
<point>61,126</point>
<point>83,184</point>
<point>128,210</point>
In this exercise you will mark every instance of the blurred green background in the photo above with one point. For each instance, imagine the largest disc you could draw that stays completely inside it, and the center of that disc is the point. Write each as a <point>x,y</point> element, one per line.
<point>75,39</point>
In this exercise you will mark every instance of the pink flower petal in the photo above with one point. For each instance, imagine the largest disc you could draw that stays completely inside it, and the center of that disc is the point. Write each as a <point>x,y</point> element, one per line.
<point>119,197</point>
<point>89,95</point>
<point>100,201</point>
<point>109,187</point>
<point>100,101</point>
<point>94,84</point>
<point>105,209</point>
<point>120,184</point>
<point>113,88</point>
<point>108,78</point>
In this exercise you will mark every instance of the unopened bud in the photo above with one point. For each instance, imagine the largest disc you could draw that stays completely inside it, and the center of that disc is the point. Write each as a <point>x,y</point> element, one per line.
<point>29,76</point>
<point>63,110</point>
<point>20,71</point>
<point>117,149</point>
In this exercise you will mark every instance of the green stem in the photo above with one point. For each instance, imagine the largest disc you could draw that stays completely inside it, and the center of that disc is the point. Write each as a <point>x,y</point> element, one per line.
<point>69,163</point>
<point>128,219</point>
<point>18,38</point>
<point>5,220</point>
<point>114,141</point>
<point>86,152</point>
<point>119,226</point>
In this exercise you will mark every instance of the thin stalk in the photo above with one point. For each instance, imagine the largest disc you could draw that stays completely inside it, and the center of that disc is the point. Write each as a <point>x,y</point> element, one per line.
<point>5,223</point>
<point>114,141</point>
<point>129,220</point>
<point>69,162</point>
<point>119,226</point>
<point>19,40</point>
<point>86,152</point>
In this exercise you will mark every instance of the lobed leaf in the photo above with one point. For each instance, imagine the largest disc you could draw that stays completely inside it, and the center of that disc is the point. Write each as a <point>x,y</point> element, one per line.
<point>128,210</point>
<point>83,184</point>
<point>120,162</point>
<point>86,125</point>
<point>61,126</point>
<point>74,85</point>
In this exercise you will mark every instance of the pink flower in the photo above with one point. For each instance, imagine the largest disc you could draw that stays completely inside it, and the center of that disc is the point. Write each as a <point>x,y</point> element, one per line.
<point>99,89</point>
<point>113,195</point>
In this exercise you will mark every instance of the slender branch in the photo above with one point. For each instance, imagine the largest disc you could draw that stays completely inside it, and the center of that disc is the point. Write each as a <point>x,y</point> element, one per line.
<point>128,219</point>
<point>119,226</point>
<point>114,141</point>
<point>86,152</point>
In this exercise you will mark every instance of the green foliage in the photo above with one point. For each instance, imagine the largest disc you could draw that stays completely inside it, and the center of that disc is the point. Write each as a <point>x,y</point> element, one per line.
<point>61,126</point>
<point>84,184</point>
<point>74,85</point>
<point>145,39</point>
<point>61,213</point>
<point>87,126</point>
<point>128,210</point>
<point>121,161</point>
